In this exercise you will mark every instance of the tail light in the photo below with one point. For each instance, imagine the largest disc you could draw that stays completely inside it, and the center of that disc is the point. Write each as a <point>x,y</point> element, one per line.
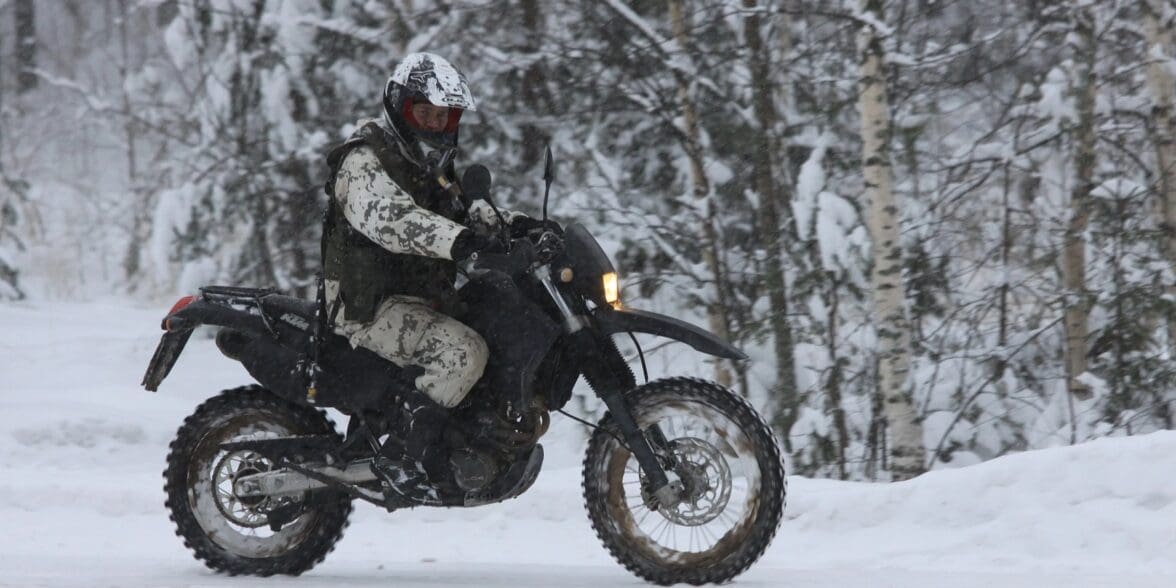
<point>180,304</point>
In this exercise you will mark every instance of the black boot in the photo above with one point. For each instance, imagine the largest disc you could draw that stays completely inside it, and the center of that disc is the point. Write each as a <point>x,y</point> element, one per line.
<point>412,460</point>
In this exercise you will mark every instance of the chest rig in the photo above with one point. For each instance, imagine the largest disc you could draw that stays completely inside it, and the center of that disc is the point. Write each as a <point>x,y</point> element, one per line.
<point>366,272</point>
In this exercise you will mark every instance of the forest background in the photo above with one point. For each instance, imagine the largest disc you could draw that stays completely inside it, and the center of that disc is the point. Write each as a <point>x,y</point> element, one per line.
<point>944,230</point>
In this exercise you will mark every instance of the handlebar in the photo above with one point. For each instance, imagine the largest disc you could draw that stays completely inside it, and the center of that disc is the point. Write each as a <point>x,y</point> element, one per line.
<point>523,254</point>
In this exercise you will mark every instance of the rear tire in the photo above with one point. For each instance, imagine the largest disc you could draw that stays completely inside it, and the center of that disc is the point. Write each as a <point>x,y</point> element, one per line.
<point>730,464</point>
<point>231,534</point>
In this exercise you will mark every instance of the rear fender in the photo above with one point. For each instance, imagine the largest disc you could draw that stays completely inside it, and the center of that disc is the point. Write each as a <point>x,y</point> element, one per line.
<point>178,325</point>
<point>166,354</point>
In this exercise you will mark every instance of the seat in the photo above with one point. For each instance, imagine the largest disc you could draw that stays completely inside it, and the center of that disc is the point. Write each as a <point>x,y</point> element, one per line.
<point>236,292</point>
<point>276,305</point>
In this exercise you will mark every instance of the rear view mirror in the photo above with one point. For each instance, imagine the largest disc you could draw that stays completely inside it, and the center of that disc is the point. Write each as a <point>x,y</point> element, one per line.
<point>475,182</point>
<point>548,177</point>
<point>549,167</point>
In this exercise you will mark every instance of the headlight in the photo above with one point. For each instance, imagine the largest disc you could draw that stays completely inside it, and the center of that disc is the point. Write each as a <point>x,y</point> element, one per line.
<point>612,293</point>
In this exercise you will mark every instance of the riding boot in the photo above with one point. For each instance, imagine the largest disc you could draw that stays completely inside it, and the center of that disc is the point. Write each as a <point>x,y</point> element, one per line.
<point>411,460</point>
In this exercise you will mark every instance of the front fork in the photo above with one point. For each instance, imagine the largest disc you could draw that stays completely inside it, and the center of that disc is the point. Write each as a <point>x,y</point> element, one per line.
<point>602,371</point>
<point>667,492</point>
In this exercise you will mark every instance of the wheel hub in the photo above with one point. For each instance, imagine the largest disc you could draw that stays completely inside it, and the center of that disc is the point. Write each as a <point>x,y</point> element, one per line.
<point>240,509</point>
<point>706,481</point>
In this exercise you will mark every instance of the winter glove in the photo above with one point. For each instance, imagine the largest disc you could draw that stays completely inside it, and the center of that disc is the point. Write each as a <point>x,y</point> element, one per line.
<point>522,226</point>
<point>469,243</point>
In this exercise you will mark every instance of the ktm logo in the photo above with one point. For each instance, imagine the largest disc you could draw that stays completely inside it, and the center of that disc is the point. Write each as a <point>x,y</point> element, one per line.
<point>296,320</point>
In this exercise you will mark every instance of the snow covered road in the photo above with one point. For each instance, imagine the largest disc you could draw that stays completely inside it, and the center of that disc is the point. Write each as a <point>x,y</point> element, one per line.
<point>81,502</point>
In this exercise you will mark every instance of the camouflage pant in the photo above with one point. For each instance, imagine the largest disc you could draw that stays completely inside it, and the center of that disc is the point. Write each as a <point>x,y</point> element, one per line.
<point>407,332</point>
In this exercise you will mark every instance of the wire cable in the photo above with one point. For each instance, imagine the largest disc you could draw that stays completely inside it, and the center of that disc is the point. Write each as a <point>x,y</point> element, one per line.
<point>593,426</point>
<point>641,354</point>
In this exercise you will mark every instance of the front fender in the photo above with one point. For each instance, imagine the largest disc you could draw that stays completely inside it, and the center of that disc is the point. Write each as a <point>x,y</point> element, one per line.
<point>620,321</point>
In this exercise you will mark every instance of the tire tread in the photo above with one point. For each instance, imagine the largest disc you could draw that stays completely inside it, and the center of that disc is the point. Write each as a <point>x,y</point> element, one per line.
<point>763,532</point>
<point>310,552</point>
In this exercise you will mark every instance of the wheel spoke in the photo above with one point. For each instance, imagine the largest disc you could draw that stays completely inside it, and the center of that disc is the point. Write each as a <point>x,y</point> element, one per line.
<point>665,524</point>
<point>644,515</point>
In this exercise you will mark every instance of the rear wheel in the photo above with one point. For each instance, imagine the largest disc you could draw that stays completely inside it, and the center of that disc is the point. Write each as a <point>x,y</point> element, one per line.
<point>732,479</point>
<point>234,534</point>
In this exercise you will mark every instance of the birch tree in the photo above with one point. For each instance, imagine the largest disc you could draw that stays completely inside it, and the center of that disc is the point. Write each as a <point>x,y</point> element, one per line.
<point>1076,304</point>
<point>1158,21</point>
<point>893,330</point>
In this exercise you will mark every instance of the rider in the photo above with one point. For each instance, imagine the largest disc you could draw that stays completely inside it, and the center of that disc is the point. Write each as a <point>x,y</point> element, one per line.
<point>393,237</point>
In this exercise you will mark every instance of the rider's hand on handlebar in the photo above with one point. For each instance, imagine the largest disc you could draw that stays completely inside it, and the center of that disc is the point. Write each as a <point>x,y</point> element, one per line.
<point>468,243</point>
<point>548,245</point>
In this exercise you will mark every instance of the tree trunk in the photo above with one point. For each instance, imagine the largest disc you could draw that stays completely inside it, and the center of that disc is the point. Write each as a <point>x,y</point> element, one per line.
<point>1076,301</point>
<point>905,430</point>
<point>717,312</point>
<point>773,187</point>
<point>1161,83</point>
<point>833,408</point>
<point>132,261</point>
<point>25,23</point>
<point>1006,247</point>
<point>531,91</point>
<point>12,196</point>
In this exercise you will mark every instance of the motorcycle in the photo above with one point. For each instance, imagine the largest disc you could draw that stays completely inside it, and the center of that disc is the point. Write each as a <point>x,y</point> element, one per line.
<point>682,479</point>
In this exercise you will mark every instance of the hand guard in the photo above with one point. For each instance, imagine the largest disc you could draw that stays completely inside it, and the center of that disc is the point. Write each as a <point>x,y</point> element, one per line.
<point>523,226</point>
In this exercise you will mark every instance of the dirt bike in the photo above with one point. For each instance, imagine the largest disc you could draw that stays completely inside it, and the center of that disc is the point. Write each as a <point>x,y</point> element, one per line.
<point>683,481</point>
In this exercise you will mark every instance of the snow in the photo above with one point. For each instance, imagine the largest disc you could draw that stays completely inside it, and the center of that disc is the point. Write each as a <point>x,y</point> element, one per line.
<point>1055,101</point>
<point>634,19</point>
<point>1118,188</point>
<point>809,182</point>
<point>83,447</point>
<point>171,214</point>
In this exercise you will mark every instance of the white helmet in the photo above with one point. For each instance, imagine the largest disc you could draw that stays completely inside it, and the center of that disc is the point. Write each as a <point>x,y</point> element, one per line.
<point>426,78</point>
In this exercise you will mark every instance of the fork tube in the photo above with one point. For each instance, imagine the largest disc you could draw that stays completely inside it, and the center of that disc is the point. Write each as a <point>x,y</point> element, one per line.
<point>638,444</point>
<point>609,388</point>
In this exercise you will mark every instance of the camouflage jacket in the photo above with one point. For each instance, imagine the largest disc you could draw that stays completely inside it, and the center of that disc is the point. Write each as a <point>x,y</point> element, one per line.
<point>390,229</point>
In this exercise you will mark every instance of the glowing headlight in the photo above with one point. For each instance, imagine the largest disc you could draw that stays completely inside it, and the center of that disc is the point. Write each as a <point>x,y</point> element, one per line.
<point>612,293</point>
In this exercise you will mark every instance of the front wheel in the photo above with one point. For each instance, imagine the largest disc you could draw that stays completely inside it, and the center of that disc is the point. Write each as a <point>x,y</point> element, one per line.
<point>732,477</point>
<point>234,534</point>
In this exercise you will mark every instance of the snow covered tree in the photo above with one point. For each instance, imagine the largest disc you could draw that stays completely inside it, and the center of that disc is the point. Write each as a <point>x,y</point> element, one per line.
<point>14,190</point>
<point>773,186</point>
<point>13,198</point>
<point>244,204</point>
<point>718,312</point>
<point>24,24</point>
